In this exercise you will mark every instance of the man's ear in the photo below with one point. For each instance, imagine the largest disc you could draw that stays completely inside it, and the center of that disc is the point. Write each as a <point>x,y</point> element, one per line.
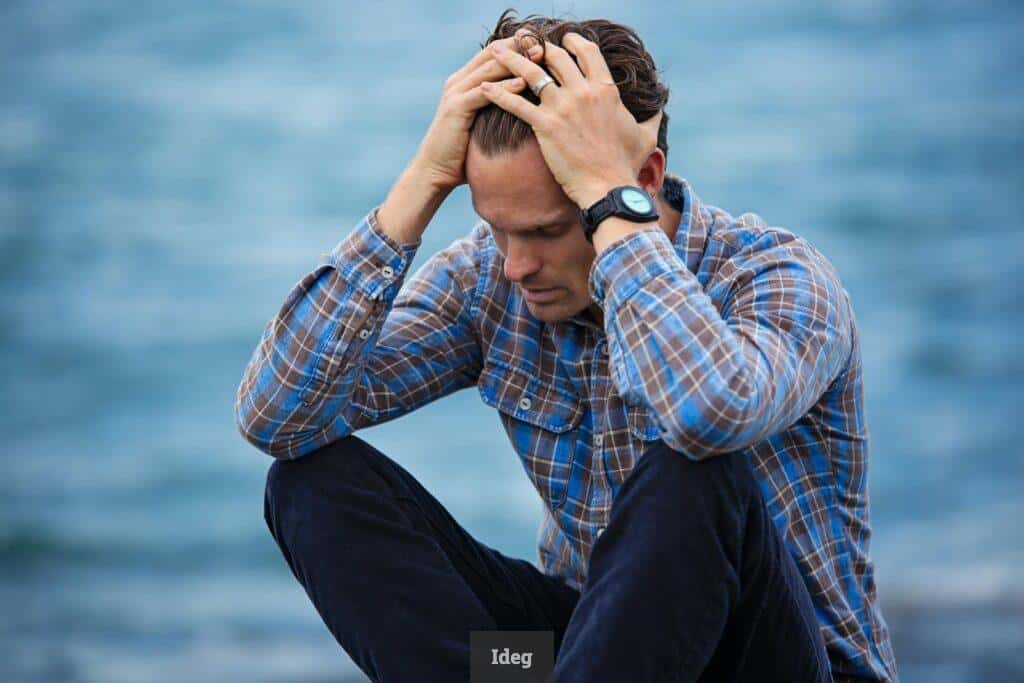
<point>652,173</point>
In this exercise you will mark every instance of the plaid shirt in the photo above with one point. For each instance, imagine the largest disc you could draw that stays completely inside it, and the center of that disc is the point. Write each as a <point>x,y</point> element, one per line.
<point>737,336</point>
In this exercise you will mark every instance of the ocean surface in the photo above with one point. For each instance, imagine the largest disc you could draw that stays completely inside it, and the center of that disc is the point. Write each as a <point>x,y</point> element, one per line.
<point>169,171</point>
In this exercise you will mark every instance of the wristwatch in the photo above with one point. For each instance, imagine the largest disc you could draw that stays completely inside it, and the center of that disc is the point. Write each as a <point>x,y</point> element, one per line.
<point>628,201</point>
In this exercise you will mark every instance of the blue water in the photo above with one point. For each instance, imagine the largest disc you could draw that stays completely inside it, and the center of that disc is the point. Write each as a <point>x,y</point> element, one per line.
<point>167,173</point>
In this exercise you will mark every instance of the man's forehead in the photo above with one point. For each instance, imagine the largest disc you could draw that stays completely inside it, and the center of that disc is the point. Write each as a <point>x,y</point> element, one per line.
<point>515,190</point>
<point>522,218</point>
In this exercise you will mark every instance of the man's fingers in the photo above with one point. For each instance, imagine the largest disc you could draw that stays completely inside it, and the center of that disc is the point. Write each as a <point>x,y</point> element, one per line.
<point>589,56</point>
<point>521,66</point>
<point>512,103</point>
<point>491,70</point>
<point>477,97</point>
<point>479,59</point>
<point>562,67</point>
<point>487,52</point>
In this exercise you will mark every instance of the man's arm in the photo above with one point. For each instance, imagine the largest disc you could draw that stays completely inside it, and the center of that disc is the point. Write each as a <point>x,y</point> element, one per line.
<point>336,356</point>
<point>346,350</point>
<point>718,381</point>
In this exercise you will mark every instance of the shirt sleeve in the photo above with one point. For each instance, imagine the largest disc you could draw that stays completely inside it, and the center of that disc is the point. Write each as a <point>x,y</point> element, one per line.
<point>719,379</point>
<point>346,350</point>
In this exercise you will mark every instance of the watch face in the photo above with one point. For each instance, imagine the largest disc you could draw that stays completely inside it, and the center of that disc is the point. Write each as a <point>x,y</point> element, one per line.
<point>636,200</point>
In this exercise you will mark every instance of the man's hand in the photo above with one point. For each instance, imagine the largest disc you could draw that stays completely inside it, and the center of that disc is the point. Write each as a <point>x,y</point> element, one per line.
<point>439,165</point>
<point>589,140</point>
<point>442,154</point>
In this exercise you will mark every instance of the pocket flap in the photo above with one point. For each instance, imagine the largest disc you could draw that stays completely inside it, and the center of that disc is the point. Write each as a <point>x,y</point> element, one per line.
<point>642,424</point>
<point>525,397</point>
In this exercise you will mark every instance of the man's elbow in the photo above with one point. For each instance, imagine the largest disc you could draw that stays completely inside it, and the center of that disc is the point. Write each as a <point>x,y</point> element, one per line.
<point>250,431</point>
<point>286,445</point>
<point>268,446</point>
<point>704,439</point>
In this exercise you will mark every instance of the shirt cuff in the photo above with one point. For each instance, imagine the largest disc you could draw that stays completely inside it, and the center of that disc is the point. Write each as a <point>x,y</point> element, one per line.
<point>371,261</point>
<point>628,264</point>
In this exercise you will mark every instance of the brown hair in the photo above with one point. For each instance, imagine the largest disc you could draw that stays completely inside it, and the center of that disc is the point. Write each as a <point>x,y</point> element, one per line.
<point>632,67</point>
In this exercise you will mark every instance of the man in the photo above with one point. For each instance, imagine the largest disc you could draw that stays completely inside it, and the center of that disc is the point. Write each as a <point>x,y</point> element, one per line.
<point>683,387</point>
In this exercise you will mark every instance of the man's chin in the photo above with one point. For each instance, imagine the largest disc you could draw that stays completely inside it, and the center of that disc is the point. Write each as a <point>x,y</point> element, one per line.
<point>553,312</point>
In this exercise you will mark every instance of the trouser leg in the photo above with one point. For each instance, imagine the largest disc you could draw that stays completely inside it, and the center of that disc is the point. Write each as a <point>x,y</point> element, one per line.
<point>398,582</point>
<point>691,580</point>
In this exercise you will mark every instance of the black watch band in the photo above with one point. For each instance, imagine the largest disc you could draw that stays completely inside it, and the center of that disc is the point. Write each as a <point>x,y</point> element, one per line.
<point>627,201</point>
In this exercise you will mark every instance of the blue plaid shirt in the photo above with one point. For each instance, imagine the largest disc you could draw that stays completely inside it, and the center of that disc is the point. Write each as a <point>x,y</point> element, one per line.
<point>733,336</point>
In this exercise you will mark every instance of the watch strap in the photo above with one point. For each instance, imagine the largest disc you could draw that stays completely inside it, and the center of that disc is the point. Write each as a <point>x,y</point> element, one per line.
<point>611,205</point>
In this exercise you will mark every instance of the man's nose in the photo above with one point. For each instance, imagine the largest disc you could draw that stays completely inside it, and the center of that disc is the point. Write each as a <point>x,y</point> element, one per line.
<point>520,262</point>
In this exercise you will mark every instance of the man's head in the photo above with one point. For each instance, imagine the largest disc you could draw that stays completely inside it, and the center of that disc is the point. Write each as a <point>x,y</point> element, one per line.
<point>535,225</point>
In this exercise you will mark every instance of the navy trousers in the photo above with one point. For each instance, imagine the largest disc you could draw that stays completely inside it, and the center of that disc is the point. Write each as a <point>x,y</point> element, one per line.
<point>689,581</point>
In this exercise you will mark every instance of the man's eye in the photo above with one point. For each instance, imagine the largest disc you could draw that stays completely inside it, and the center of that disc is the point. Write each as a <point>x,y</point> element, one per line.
<point>549,231</point>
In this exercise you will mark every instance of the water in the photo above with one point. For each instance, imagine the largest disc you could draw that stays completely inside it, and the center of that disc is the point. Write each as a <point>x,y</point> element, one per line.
<point>167,173</point>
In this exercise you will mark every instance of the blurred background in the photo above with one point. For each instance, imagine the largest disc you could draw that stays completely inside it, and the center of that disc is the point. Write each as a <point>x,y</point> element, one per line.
<point>168,172</point>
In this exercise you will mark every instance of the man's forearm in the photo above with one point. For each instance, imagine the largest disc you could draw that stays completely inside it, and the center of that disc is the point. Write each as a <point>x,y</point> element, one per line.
<point>410,205</point>
<point>721,376</point>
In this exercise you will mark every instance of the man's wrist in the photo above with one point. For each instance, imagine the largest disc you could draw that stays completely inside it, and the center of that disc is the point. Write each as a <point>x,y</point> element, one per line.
<point>409,206</point>
<point>613,228</point>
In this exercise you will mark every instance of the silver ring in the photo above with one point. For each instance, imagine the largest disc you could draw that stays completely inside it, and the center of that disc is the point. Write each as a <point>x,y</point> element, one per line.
<point>540,84</point>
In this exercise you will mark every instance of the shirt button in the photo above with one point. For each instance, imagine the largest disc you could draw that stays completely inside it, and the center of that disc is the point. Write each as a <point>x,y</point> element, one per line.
<point>388,272</point>
<point>600,530</point>
<point>599,440</point>
<point>525,403</point>
<point>603,348</point>
<point>364,333</point>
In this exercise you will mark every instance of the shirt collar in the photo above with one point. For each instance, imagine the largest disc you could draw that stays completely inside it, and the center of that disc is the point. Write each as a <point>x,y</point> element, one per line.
<point>691,234</point>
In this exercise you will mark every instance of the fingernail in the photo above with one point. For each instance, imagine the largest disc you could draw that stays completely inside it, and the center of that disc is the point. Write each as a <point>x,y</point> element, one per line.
<point>534,51</point>
<point>485,86</point>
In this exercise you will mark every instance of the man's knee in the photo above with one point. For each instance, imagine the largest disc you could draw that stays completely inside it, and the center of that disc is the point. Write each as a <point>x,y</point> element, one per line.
<point>681,508</point>
<point>729,474</point>
<point>290,481</point>
<point>278,487</point>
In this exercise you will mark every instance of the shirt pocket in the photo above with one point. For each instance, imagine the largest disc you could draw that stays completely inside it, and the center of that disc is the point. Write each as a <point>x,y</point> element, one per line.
<point>642,424</point>
<point>541,422</point>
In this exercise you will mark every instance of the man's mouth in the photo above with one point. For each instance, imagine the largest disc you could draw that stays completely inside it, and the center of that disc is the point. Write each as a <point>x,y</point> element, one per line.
<point>539,296</point>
